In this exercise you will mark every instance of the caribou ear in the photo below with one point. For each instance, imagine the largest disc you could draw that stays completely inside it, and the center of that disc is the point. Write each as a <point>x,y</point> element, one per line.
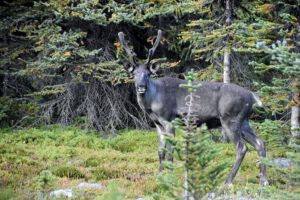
<point>154,67</point>
<point>129,67</point>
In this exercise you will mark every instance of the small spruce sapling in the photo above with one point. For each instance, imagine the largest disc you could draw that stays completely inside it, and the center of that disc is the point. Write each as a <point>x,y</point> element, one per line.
<point>198,152</point>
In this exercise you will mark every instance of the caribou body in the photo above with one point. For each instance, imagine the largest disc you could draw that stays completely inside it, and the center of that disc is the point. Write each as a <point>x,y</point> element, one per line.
<point>220,104</point>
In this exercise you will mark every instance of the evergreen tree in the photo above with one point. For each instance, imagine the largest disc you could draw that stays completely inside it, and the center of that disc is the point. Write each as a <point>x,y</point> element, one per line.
<point>197,150</point>
<point>58,48</point>
<point>286,63</point>
<point>52,49</point>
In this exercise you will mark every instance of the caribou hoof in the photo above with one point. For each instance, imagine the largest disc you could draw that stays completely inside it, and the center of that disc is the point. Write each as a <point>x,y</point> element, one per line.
<point>226,187</point>
<point>263,181</point>
<point>229,185</point>
<point>160,169</point>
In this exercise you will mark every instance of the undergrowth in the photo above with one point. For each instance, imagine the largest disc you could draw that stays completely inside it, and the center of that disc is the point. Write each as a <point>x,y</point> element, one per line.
<point>39,160</point>
<point>73,156</point>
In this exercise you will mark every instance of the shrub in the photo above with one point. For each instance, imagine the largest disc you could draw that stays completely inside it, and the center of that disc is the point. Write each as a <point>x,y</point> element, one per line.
<point>102,173</point>
<point>68,171</point>
<point>92,162</point>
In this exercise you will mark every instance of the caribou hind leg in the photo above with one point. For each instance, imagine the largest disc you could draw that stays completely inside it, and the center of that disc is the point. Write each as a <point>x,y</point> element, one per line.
<point>251,138</point>
<point>233,130</point>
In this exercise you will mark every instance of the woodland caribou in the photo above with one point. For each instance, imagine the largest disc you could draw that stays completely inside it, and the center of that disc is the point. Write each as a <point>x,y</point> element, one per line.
<point>221,104</point>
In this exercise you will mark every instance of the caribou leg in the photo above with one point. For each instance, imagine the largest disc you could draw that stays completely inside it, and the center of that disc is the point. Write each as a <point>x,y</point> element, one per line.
<point>250,137</point>
<point>161,146</point>
<point>224,137</point>
<point>164,151</point>
<point>233,131</point>
<point>170,131</point>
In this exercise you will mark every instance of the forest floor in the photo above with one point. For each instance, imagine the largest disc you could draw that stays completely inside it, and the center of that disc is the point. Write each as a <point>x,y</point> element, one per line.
<point>36,161</point>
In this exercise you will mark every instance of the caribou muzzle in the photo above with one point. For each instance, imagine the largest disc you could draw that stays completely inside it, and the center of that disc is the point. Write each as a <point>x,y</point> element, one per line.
<point>141,89</point>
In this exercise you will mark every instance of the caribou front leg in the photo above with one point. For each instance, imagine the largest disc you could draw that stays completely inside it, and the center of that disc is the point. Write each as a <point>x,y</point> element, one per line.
<point>161,146</point>
<point>170,131</point>
<point>164,151</point>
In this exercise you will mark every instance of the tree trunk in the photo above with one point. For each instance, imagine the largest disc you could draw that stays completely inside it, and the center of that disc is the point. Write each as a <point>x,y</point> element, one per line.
<point>295,115</point>
<point>295,124</point>
<point>226,72</point>
<point>186,174</point>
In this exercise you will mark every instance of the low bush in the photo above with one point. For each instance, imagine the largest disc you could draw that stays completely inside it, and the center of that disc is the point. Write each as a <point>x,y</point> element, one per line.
<point>68,171</point>
<point>105,173</point>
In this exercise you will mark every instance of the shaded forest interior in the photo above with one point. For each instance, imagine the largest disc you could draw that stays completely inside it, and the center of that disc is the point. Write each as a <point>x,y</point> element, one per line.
<point>61,60</point>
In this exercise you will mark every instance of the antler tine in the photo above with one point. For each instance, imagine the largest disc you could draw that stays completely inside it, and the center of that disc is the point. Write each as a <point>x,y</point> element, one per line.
<point>130,53</point>
<point>152,50</point>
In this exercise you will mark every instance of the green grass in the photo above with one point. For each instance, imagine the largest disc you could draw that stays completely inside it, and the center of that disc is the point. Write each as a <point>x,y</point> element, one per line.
<point>55,157</point>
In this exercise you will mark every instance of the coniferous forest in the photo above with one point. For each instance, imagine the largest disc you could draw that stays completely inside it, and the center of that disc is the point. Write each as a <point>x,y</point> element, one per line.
<point>71,126</point>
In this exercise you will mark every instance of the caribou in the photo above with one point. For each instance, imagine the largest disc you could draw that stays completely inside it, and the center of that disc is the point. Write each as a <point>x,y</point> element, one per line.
<point>224,105</point>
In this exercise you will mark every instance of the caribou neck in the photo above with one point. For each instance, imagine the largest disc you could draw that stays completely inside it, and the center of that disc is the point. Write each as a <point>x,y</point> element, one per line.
<point>145,100</point>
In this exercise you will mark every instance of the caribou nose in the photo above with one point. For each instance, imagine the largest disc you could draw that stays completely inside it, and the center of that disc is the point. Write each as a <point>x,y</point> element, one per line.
<point>141,89</point>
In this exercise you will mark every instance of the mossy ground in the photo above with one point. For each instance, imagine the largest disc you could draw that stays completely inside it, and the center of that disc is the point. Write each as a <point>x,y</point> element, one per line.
<point>55,157</point>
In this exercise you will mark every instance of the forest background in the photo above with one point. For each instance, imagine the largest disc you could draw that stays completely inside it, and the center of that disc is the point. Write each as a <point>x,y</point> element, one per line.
<point>61,61</point>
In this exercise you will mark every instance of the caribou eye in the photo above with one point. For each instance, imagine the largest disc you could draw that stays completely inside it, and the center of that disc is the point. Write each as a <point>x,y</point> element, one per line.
<point>154,68</point>
<point>130,69</point>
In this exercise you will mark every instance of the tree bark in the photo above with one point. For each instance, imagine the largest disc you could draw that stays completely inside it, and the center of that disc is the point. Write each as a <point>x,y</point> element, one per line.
<point>186,174</point>
<point>295,116</point>
<point>226,61</point>
<point>226,72</point>
<point>295,124</point>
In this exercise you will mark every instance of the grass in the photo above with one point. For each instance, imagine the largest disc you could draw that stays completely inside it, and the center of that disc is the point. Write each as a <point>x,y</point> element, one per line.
<point>54,157</point>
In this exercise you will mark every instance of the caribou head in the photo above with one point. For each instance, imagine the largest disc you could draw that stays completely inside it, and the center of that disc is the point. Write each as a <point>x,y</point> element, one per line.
<point>141,71</point>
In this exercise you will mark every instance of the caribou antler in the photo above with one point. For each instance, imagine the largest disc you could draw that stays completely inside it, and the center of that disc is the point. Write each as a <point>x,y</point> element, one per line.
<point>152,50</point>
<point>130,53</point>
